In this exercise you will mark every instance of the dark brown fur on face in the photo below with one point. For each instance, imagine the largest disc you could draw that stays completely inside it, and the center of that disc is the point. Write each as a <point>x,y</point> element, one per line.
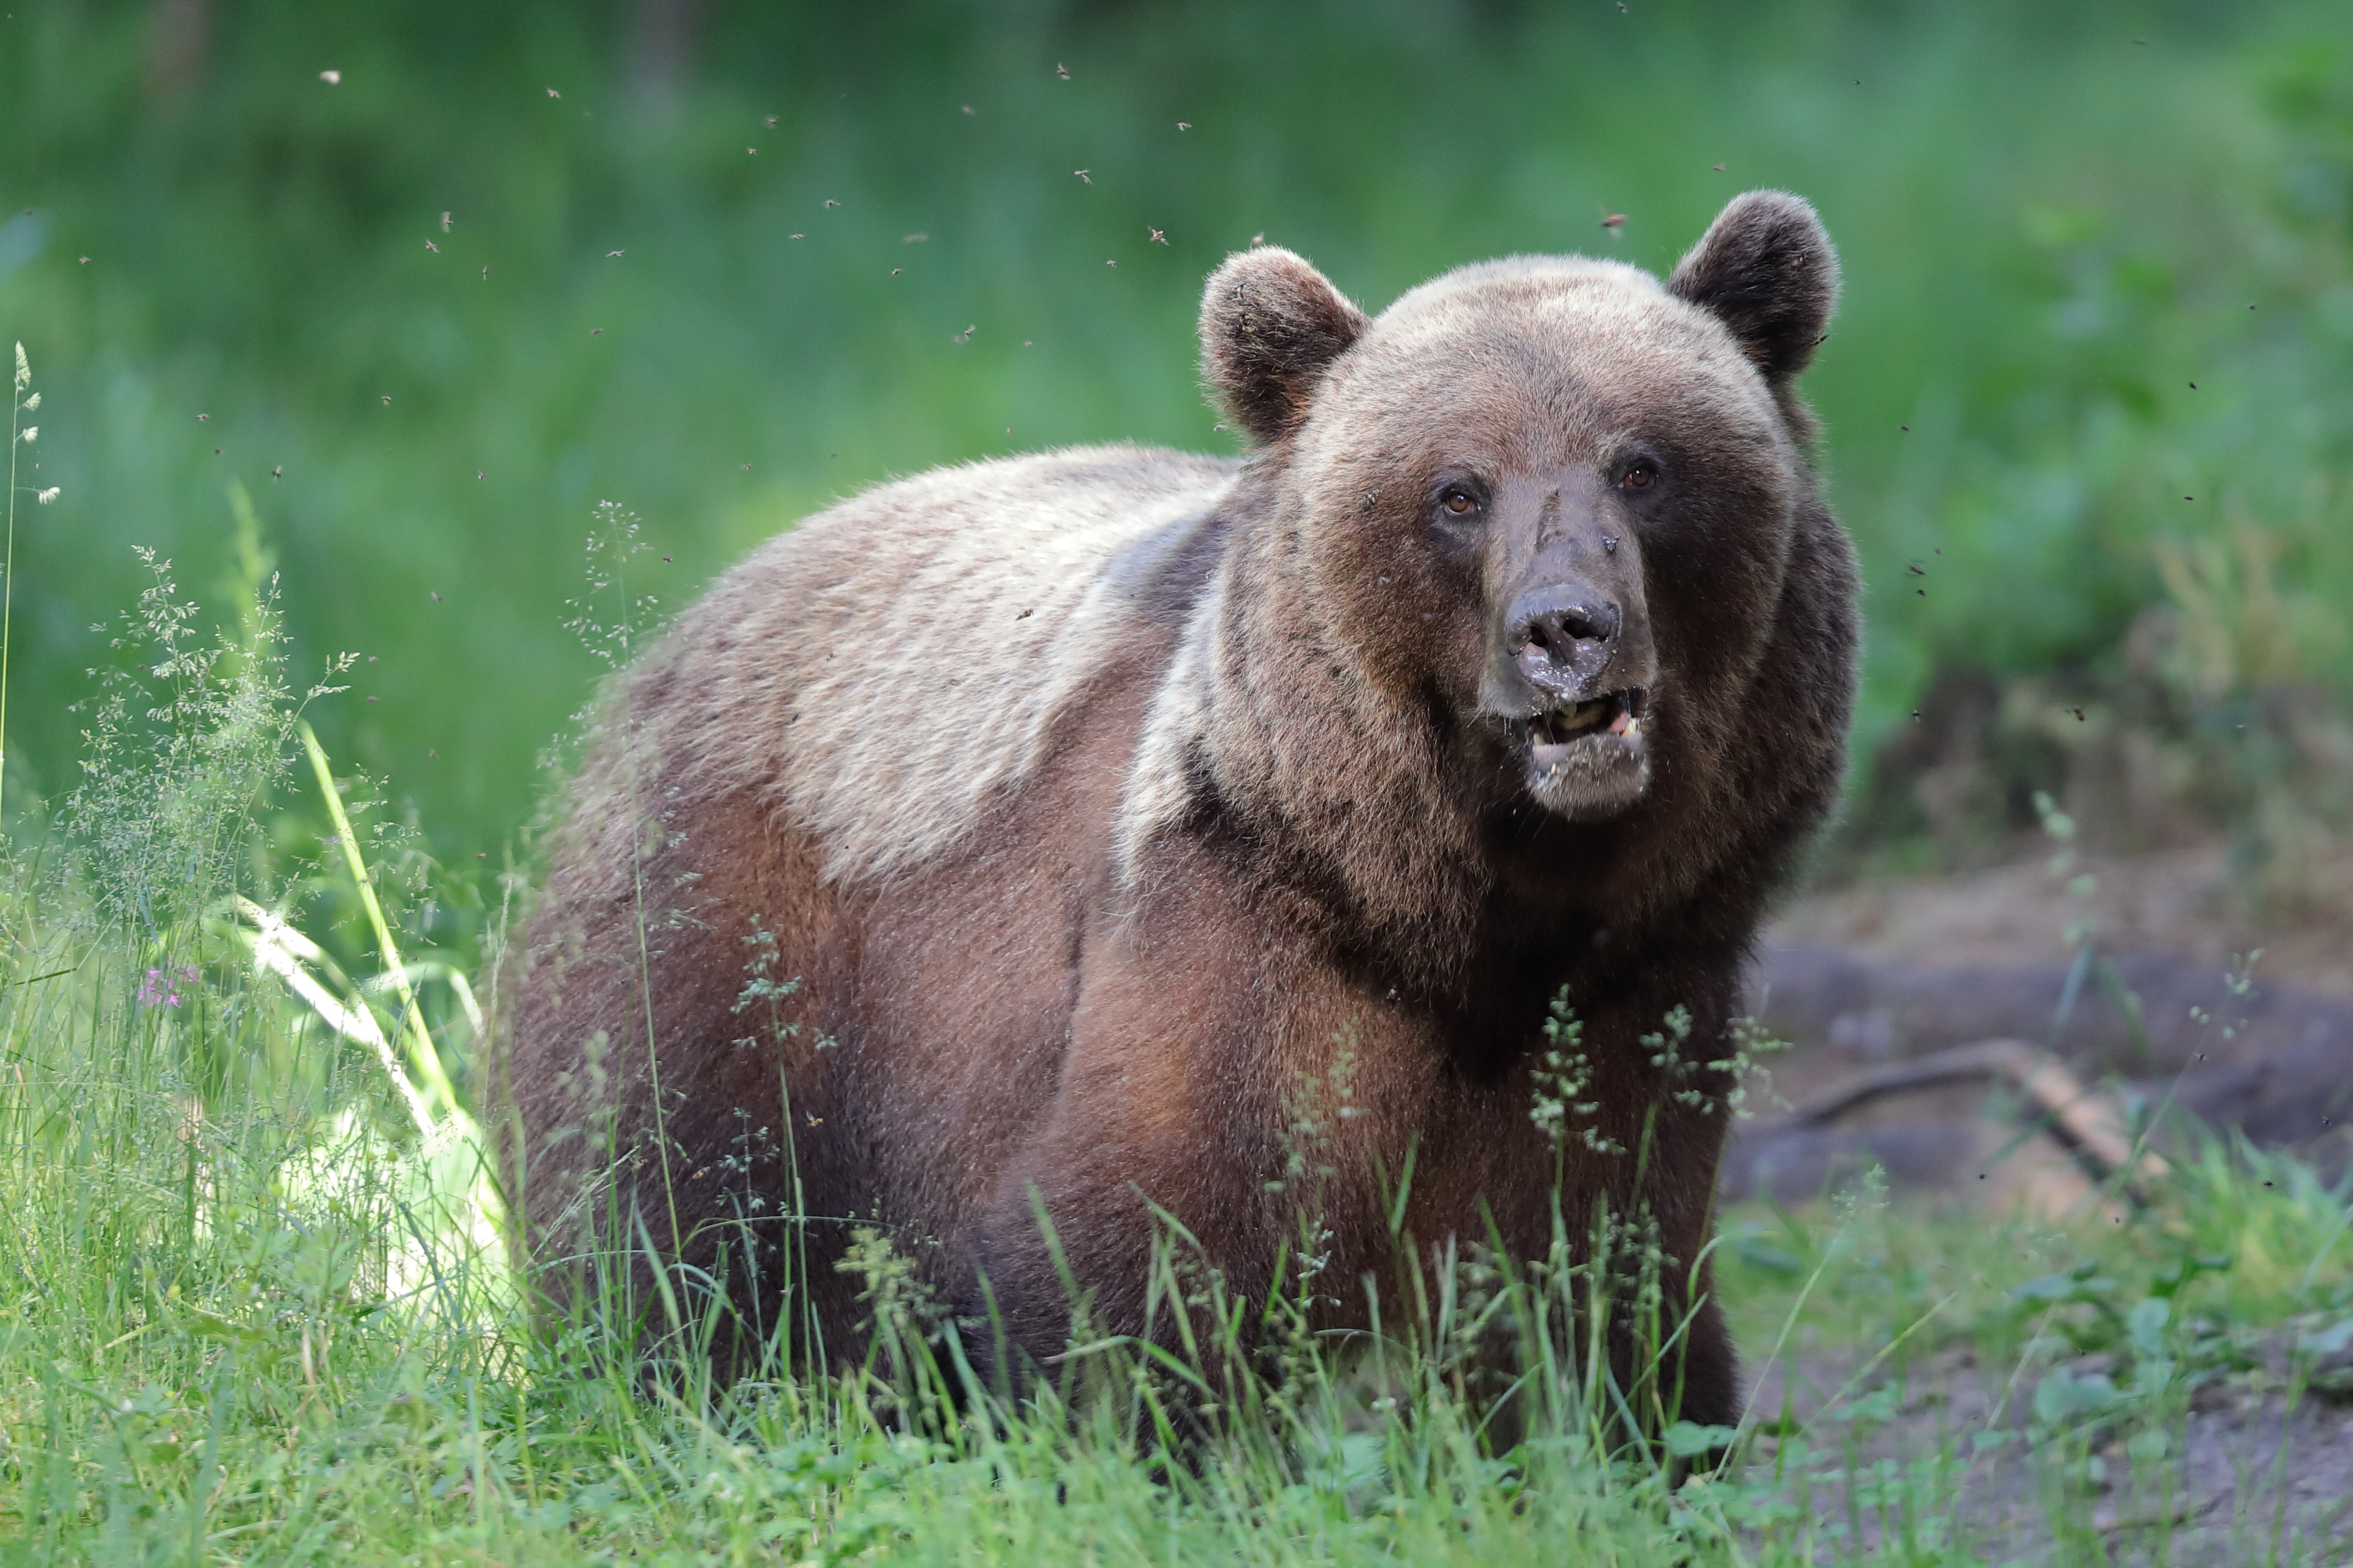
<point>1097,801</point>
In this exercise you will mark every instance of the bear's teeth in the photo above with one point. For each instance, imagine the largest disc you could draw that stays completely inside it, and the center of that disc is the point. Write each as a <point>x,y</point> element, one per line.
<point>1563,725</point>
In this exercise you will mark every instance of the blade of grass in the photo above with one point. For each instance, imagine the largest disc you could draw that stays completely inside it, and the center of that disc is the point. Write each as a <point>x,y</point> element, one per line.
<point>16,403</point>
<point>428,1061</point>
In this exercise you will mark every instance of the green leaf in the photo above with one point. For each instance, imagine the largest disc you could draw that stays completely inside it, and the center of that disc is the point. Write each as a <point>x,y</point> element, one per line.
<point>2062,1396</point>
<point>1688,1441</point>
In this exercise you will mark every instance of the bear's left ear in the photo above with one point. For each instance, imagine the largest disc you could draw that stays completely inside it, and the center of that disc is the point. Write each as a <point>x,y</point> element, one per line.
<point>1271,326</point>
<point>1767,271</point>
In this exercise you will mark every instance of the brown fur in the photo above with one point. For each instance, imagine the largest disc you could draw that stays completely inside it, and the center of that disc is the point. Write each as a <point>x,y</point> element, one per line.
<point>1093,798</point>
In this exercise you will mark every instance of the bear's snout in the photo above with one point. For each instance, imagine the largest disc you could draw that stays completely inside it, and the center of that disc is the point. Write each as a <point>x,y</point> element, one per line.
<point>1569,681</point>
<point>1562,636</point>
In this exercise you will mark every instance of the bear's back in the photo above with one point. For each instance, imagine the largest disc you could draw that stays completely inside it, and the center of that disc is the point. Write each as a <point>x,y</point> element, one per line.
<point>882,672</point>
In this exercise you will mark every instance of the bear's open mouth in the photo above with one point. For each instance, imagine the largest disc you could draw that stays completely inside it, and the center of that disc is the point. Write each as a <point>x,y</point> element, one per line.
<point>1553,735</point>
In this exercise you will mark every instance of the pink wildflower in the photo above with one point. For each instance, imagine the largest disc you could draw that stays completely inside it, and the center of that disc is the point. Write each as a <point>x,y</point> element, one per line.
<point>161,986</point>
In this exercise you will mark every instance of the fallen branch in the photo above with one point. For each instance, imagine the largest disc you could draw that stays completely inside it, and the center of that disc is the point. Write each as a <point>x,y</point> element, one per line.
<point>2087,1122</point>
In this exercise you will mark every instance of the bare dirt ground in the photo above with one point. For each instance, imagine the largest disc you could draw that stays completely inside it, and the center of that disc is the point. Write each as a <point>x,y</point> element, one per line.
<point>2258,1471</point>
<point>2258,1467</point>
<point>1889,971</point>
<point>2189,904</point>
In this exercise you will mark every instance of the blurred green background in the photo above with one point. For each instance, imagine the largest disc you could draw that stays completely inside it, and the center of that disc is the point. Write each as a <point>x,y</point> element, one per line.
<point>2053,221</point>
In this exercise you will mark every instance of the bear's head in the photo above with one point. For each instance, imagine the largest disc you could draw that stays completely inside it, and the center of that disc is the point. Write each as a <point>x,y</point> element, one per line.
<point>1549,500</point>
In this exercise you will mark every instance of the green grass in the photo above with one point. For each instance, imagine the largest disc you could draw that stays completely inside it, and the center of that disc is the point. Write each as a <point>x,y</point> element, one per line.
<point>256,1308</point>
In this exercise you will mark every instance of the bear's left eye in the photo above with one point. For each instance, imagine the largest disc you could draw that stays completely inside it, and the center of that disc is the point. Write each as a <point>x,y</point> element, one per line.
<point>1638,474</point>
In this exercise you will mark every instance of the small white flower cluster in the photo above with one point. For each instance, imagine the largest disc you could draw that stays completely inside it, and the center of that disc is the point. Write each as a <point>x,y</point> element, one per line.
<point>30,432</point>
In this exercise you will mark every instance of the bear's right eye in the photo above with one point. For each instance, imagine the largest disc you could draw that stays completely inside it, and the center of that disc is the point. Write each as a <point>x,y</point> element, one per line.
<point>1459,502</point>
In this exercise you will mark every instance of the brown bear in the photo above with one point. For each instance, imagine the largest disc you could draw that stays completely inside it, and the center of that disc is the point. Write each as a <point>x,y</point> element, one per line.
<point>1012,840</point>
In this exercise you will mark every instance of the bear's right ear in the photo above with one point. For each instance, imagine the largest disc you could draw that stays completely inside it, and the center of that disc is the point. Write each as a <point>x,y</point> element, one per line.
<point>1271,326</point>
<point>1765,269</point>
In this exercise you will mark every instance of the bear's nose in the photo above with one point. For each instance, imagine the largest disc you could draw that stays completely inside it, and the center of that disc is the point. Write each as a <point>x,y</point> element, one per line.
<point>1561,636</point>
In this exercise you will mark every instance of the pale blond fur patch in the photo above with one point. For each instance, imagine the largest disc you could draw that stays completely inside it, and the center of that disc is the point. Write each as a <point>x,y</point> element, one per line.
<point>884,672</point>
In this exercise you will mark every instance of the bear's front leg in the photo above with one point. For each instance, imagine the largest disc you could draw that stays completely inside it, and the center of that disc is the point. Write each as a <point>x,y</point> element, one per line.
<point>1165,1104</point>
<point>1076,1241</point>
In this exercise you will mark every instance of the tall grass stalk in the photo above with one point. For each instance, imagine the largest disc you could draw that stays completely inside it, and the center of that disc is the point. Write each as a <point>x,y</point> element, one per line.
<point>410,1024</point>
<point>21,400</point>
